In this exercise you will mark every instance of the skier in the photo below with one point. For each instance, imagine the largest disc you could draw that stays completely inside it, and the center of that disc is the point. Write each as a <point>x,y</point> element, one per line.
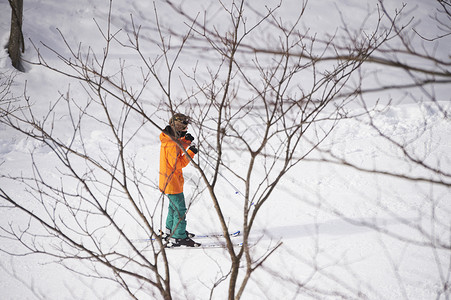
<point>172,160</point>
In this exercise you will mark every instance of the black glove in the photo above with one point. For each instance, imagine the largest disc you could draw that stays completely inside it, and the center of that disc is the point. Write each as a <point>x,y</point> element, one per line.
<point>189,137</point>
<point>193,149</point>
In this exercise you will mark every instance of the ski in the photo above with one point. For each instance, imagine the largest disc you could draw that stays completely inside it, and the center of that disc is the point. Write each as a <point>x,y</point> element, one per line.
<point>207,246</point>
<point>200,236</point>
<point>216,235</point>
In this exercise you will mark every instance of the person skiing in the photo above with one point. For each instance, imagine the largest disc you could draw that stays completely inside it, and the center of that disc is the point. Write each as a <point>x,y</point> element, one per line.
<point>172,160</point>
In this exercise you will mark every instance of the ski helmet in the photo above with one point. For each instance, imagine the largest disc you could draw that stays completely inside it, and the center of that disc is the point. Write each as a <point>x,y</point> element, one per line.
<point>179,122</point>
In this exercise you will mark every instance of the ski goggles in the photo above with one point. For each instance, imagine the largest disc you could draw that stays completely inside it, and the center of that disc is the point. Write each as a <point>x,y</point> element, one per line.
<point>183,120</point>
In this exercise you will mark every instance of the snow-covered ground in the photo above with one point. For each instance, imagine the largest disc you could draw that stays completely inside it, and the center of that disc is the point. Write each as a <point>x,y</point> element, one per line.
<point>342,230</point>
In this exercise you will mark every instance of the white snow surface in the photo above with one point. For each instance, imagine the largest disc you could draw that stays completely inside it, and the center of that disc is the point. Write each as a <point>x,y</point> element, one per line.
<point>319,211</point>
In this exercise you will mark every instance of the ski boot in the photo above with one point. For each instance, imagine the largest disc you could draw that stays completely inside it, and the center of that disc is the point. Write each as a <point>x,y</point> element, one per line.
<point>186,242</point>
<point>167,234</point>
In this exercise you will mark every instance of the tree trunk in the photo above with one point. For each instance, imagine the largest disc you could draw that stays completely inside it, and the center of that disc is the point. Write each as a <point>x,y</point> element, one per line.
<point>16,41</point>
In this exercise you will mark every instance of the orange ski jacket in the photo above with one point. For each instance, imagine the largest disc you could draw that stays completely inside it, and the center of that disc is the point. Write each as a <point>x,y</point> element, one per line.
<point>172,160</point>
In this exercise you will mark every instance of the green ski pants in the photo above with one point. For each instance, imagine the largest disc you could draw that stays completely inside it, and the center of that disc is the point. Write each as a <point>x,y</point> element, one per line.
<point>176,220</point>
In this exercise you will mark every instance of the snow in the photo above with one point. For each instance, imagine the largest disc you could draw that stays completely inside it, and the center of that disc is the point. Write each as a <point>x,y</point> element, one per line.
<point>324,214</point>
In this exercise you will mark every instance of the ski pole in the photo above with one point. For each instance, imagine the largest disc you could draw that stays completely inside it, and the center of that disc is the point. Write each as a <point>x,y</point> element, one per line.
<point>237,191</point>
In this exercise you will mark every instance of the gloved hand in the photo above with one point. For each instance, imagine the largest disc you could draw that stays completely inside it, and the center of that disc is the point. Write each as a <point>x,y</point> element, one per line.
<point>189,137</point>
<point>193,149</point>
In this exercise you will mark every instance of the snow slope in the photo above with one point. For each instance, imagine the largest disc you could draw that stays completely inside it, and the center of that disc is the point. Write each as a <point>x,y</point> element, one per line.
<point>321,212</point>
